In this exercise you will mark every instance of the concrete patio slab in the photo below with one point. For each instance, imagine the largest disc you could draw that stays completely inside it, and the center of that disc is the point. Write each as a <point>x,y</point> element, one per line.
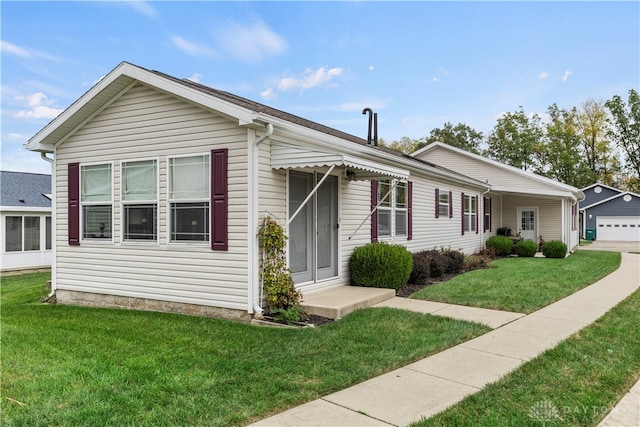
<point>418,306</point>
<point>319,413</point>
<point>337,302</point>
<point>402,396</point>
<point>467,366</point>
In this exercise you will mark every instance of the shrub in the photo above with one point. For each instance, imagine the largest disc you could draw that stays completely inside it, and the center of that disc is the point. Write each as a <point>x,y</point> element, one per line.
<point>554,249</point>
<point>421,269</point>
<point>526,248</point>
<point>380,265</point>
<point>487,253</point>
<point>471,262</point>
<point>438,262</point>
<point>502,245</point>
<point>456,261</point>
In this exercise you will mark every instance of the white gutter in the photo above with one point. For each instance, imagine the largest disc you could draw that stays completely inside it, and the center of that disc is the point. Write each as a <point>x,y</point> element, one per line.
<point>254,217</point>
<point>43,155</point>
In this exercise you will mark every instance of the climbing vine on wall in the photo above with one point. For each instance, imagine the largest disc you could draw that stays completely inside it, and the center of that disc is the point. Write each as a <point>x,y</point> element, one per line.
<point>282,299</point>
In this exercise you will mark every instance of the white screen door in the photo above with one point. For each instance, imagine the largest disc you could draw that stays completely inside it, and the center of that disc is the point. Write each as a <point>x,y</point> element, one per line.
<point>528,223</point>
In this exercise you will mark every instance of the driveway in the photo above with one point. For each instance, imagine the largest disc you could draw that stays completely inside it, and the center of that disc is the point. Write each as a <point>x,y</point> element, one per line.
<point>604,245</point>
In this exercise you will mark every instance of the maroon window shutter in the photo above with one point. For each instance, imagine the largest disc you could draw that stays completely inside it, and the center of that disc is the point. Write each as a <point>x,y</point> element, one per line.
<point>374,215</point>
<point>219,200</point>
<point>450,204</point>
<point>437,203</point>
<point>462,210</point>
<point>490,214</point>
<point>409,210</point>
<point>73,196</point>
<point>477,214</point>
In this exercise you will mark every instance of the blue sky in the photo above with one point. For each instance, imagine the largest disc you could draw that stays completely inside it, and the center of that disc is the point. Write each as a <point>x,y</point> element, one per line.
<point>417,64</point>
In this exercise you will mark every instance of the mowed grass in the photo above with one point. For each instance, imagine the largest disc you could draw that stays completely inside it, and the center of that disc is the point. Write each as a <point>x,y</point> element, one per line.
<point>574,384</point>
<point>523,285</point>
<point>76,366</point>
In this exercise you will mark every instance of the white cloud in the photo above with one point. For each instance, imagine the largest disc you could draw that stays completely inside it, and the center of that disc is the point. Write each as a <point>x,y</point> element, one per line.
<point>566,75</point>
<point>39,107</point>
<point>142,7</point>
<point>435,80</point>
<point>543,75</point>
<point>16,137</point>
<point>193,49</point>
<point>310,78</point>
<point>371,68</point>
<point>251,43</point>
<point>195,77</point>
<point>12,49</point>
<point>268,94</point>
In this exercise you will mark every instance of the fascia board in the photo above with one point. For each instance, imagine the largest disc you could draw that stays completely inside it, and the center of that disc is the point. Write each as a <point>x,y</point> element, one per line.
<point>4,209</point>
<point>503,189</point>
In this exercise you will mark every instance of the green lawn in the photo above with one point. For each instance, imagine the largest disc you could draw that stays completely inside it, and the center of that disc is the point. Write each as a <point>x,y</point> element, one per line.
<point>523,285</point>
<point>64,365</point>
<point>574,384</point>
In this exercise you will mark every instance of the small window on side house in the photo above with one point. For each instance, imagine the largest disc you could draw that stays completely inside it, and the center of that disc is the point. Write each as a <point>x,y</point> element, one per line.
<point>97,201</point>
<point>140,200</point>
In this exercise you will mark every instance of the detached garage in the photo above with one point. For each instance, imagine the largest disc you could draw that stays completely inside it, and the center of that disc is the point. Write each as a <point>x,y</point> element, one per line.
<point>610,214</point>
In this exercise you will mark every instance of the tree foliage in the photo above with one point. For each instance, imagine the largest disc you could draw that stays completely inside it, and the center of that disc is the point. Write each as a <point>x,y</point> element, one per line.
<point>460,136</point>
<point>595,144</point>
<point>625,128</point>
<point>516,141</point>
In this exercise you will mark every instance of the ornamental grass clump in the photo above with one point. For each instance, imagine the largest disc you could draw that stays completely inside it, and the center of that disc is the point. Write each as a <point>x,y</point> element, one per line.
<point>501,244</point>
<point>554,249</point>
<point>282,298</point>
<point>380,265</point>
<point>526,248</point>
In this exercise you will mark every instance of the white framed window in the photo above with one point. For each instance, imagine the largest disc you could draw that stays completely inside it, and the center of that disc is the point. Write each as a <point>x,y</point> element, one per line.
<point>24,233</point>
<point>140,200</point>
<point>443,204</point>
<point>470,213</point>
<point>392,209</point>
<point>96,199</point>
<point>189,198</point>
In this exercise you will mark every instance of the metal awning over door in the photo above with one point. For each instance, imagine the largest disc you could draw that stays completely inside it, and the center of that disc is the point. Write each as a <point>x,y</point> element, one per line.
<point>285,156</point>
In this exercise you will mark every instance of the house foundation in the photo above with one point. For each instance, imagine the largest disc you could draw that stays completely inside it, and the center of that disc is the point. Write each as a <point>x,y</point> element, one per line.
<point>88,299</point>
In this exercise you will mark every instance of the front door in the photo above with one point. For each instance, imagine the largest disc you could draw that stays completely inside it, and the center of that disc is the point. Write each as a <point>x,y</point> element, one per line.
<point>313,233</point>
<point>528,223</point>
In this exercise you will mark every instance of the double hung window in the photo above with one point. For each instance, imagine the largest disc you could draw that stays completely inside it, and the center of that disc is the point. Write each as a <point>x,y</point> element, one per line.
<point>140,200</point>
<point>443,204</point>
<point>392,209</point>
<point>470,213</point>
<point>189,198</point>
<point>22,233</point>
<point>97,201</point>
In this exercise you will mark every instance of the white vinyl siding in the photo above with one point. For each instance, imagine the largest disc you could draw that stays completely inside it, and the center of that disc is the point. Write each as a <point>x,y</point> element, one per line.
<point>549,215</point>
<point>143,120</point>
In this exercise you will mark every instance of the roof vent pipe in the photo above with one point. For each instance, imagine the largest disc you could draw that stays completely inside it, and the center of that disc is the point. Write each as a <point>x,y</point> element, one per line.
<point>373,126</point>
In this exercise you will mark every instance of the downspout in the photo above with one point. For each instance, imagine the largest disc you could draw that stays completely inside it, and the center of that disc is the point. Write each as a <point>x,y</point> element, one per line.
<point>255,297</point>
<point>43,155</point>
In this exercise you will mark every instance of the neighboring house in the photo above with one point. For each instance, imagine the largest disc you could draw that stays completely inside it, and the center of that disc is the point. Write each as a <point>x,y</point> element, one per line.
<point>161,185</point>
<point>25,221</point>
<point>532,206</point>
<point>608,213</point>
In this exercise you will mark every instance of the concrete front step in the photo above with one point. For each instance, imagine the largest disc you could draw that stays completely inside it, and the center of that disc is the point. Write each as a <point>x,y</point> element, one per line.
<point>336,303</point>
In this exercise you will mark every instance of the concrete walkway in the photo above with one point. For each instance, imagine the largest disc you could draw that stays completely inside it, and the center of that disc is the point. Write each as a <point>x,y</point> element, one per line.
<point>424,388</point>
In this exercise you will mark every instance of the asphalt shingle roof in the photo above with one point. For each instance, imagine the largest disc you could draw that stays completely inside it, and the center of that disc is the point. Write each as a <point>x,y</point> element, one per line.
<point>22,189</point>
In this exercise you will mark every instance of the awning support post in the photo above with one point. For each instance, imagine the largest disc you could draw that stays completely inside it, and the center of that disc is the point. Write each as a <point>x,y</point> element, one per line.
<point>292,217</point>
<point>375,209</point>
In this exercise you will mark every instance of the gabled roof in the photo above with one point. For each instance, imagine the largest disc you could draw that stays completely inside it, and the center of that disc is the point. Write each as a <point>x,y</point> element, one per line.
<point>616,196</point>
<point>597,184</point>
<point>530,175</point>
<point>25,190</point>
<point>244,111</point>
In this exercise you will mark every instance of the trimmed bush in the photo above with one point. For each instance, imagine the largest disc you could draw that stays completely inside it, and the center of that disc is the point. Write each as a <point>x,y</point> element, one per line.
<point>554,249</point>
<point>501,244</point>
<point>421,269</point>
<point>438,262</point>
<point>526,248</point>
<point>380,265</point>
<point>456,261</point>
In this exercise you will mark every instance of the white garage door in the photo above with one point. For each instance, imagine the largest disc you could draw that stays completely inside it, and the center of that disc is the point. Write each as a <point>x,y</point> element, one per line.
<point>620,228</point>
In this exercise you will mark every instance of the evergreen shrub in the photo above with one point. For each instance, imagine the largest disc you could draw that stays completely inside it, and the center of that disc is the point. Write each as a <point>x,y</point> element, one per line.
<point>554,249</point>
<point>526,248</point>
<point>380,265</point>
<point>501,244</point>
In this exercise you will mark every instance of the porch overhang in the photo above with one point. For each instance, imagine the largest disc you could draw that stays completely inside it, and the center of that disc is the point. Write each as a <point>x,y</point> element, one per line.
<point>357,169</point>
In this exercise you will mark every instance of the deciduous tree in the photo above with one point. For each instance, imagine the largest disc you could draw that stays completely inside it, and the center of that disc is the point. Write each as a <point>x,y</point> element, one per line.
<point>625,129</point>
<point>460,135</point>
